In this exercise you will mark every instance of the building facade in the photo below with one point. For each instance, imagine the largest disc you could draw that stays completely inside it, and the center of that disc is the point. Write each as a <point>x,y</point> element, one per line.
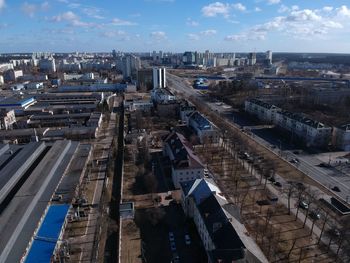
<point>185,163</point>
<point>313,133</point>
<point>159,78</point>
<point>7,119</point>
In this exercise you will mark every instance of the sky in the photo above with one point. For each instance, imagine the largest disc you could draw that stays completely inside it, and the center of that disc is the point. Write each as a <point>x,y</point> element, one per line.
<point>175,25</point>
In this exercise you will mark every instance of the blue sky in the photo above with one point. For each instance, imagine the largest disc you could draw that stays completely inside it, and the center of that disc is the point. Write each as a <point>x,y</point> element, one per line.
<point>175,25</point>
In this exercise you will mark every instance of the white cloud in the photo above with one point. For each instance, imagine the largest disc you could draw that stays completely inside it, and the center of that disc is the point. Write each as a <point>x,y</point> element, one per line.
<point>113,34</point>
<point>191,22</point>
<point>193,37</point>
<point>120,22</point>
<point>215,9</point>
<point>29,9</point>
<point>273,2</point>
<point>328,8</point>
<point>239,7</point>
<point>286,9</point>
<point>45,6</point>
<point>302,24</point>
<point>92,12</point>
<point>257,9</point>
<point>158,35</point>
<point>204,33</point>
<point>2,4</point>
<point>343,11</point>
<point>209,32</point>
<point>71,18</point>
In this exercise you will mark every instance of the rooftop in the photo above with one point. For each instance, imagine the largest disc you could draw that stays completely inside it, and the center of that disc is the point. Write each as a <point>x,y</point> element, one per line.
<point>202,122</point>
<point>184,157</point>
<point>45,240</point>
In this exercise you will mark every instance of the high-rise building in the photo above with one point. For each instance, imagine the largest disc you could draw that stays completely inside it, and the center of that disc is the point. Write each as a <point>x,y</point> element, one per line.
<point>252,59</point>
<point>268,60</point>
<point>189,58</point>
<point>47,65</point>
<point>159,78</point>
<point>129,66</point>
<point>114,53</point>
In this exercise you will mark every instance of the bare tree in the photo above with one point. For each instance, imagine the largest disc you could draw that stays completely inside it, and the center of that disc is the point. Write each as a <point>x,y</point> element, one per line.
<point>300,190</point>
<point>311,198</point>
<point>289,191</point>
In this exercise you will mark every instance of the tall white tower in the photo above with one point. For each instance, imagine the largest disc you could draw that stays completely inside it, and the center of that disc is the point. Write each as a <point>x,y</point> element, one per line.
<point>159,78</point>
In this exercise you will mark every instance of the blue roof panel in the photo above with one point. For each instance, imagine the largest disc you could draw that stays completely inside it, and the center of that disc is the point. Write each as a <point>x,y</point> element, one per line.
<point>44,243</point>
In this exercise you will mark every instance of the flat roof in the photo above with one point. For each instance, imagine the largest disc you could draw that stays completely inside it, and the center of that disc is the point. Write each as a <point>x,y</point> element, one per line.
<point>45,241</point>
<point>20,219</point>
<point>17,100</point>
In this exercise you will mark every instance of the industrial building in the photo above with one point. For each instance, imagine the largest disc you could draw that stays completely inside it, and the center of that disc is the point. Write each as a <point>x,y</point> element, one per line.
<point>33,176</point>
<point>17,103</point>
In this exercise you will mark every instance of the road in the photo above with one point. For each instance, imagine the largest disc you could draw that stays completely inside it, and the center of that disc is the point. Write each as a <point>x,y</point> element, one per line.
<point>305,165</point>
<point>102,147</point>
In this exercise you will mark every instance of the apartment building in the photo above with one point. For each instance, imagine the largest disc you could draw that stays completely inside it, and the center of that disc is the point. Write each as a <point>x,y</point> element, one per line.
<point>341,137</point>
<point>205,130</point>
<point>262,110</point>
<point>312,132</point>
<point>185,164</point>
<point>225,239</point>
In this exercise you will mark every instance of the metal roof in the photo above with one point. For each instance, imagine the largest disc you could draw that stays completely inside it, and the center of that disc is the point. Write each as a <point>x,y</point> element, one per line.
<point>45,241</point>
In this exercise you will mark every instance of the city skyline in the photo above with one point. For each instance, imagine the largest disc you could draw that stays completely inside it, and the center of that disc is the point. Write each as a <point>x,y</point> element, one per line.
<point>174,25</point>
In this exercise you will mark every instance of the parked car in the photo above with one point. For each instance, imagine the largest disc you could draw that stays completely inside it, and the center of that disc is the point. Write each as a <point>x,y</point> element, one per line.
<point>172,246</point>
<point>334,232</point>
<point>295,161</point>
<point>171,236</point>
<point>176,258</point>
<point>303,204</point>
<point>187,239</point>
<point>324,165</point>
<point>278,184</point>
<point>336,189</point>
<point>315,215</point>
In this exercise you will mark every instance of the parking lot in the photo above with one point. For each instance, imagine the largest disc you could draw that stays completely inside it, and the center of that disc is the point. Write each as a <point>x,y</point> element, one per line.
<point>160,246</point>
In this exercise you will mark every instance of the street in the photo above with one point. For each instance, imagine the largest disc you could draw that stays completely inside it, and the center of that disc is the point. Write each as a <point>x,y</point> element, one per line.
<point>327,178</point>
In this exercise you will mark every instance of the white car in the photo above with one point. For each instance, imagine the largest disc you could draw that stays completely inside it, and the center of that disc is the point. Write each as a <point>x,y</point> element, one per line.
<point>187,240</point>
<point>171,236</point>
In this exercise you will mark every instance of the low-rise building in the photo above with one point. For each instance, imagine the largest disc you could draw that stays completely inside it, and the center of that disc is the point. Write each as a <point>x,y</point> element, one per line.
<point>224,237</point>
<point>262,110</point>
<point>17,103</point>
<point>35,85</point>
<point>13,75</point>
<point>205,130</point>
<point>185,163</point>
<point>312,132</point>
<point>341,137</point>
<point>162,96</point>
<point>185,112</point>
<point>7,119</point>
